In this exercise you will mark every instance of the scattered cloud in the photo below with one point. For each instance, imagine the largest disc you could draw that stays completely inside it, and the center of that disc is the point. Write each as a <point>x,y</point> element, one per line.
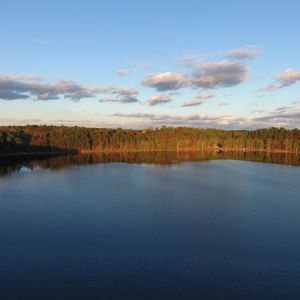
<point>220,74</point>
<point>158,99</point>
<point>284,79</point>
<point>288,77</point>
<point>166,81</point>
<point>122,72</point>
<point>250,52</point>
<point>201,76</point>
<point>125,91</point>
<point>121,95</point>
<point>23,87</point>
<point>30,86</point>
<point>198,100</point>
<point>119,99</point>
<point>190,60</point>
<point>129,71</point>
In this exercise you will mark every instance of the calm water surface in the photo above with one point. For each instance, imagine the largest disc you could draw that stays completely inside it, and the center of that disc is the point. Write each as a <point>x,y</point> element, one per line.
<point>211,229</point>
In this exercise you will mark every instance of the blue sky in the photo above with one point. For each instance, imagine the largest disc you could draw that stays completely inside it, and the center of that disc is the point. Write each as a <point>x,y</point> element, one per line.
<point>135,64</point>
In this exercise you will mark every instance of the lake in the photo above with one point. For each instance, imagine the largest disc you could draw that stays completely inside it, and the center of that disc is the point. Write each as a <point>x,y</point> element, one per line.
<point>150,226</point>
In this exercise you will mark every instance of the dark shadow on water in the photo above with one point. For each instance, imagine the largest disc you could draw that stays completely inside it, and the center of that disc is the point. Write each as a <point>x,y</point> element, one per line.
<point>12,164</point>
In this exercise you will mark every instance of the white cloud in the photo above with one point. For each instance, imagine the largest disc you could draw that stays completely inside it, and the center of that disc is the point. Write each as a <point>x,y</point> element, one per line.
<point>119,99</point>
<point>198,100</point>
<point>122,72</point>
<point>158,99</point>
<point>220,74</point>
<point>166,81</point>
<point>122,95</point>
<point>30,86</point>
<point>284,79</point>
<point>243,53</point>
<point>190,60</point>
<point>24,86</point>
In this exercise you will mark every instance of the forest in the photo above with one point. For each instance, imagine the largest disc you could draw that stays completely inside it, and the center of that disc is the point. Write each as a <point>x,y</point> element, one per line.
<point>34,138</point>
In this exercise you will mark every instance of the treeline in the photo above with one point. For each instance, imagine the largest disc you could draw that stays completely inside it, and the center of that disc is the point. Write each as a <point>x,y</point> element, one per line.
<point>61,138</point>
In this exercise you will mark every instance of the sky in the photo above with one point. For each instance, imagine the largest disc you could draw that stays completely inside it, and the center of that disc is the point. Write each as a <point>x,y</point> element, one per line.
<point>145,64</point>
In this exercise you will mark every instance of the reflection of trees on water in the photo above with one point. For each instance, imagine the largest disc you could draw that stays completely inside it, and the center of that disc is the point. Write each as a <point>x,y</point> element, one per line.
<point>12,164</point>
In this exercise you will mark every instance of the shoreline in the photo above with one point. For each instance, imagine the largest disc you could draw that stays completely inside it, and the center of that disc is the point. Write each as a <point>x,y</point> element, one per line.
<point>41,153</point>
<point>12,154</point>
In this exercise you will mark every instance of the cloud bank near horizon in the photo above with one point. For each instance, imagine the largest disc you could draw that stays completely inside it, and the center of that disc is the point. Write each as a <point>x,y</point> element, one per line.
<point>287,117</point>
<point>281,117</point>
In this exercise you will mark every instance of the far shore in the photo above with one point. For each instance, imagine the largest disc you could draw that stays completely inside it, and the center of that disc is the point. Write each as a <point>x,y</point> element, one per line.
<point>74,152</point>
<point>36,153</point>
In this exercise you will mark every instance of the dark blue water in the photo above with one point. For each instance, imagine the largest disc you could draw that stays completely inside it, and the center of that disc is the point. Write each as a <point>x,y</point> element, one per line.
<point>196,230</point>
